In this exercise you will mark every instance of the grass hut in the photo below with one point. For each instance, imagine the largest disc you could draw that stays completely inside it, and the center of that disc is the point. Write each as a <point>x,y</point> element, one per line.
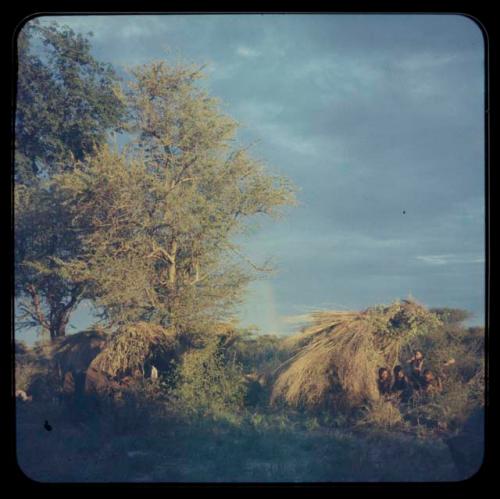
<point>134,347</point>
<point>76,352</point>
<point>335,360</point>
<point>73,352</point>
<point>41,369</point>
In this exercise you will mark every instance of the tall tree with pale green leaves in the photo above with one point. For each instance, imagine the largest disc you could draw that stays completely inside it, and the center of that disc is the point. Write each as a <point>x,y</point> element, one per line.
<point>66,103</point>
<point>158,219</point>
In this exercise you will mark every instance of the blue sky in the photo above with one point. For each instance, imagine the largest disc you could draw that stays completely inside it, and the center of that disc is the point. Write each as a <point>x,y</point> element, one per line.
<point>378,119</point>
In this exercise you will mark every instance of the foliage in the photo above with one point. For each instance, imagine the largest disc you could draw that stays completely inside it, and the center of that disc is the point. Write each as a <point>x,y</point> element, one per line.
<point>451,315</point>
<point>207,384</point>
<point>451,341</point>
<point>259,353</point>
<point>463,380</point>
<point>157,220</point>
<point>37,377</point>
<point>381,413</point>
<point>66,100</point>
<point>26,371</point>
<point>66,103</point>
<point>46,295</point>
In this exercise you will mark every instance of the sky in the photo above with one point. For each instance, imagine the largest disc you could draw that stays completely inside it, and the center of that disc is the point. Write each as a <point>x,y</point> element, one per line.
<point>377,119</point>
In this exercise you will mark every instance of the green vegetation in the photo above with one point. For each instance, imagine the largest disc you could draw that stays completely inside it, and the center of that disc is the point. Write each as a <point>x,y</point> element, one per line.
<point>66,104</point>
<point>196,422</point>
<point>207,384</point>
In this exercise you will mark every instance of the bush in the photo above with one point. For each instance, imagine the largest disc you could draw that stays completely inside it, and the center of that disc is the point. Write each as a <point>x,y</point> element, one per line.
<point>447,410</point>
<point>36,377</point>
<point>207,384</point>
<point>381,414</point>
<point>258,353</point>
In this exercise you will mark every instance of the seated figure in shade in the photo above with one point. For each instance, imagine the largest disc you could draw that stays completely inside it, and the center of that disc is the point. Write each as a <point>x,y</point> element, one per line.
<point>384,381</point>
<point>401,386</point>
<point>431,384</point>
<point>416,368</point>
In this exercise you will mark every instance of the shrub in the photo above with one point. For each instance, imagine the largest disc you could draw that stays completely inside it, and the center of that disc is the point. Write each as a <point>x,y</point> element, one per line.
<point>36,377</point>
<point>382,414</point>
<point>208,384</point>
<point>447,410</point>
<point>258,353</point>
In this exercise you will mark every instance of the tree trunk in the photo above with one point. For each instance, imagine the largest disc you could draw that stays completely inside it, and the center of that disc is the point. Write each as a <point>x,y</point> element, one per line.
<point>59,317</point>
<point>172,268</point>
<point>59,323</point>
<point>172,282</point>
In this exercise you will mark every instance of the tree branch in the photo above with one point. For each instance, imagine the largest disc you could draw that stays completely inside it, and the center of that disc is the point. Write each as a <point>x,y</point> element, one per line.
<point>247,260</point>
<point>37,312</point>
<point>162,251</point>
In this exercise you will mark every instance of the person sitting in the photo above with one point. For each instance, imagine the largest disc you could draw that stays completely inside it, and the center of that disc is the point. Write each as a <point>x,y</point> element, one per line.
<point>417,367</point>
<point>384,381</point>
<point>401,385</point>
<point>431,384</point>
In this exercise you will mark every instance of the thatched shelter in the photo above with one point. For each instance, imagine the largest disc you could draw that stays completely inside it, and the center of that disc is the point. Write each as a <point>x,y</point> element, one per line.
<point>72,352</point>
<point>77,351</point>
<point>134,347</point>
<point>41,370</point>
<point>335,360</point>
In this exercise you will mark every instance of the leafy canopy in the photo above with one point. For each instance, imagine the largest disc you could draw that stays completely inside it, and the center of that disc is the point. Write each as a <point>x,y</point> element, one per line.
<point>157,220</point>
<point>66,103</point>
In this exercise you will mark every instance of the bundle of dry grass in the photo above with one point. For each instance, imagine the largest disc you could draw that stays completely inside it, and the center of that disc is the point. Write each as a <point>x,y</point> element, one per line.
<point>77,351</point>
<point>336,359</point>
<point>74,352</point>
<point>41,369</point>
<point>132,345</point>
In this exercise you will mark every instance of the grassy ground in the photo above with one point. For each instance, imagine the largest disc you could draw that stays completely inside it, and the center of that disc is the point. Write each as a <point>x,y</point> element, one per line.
<point>258,448</point>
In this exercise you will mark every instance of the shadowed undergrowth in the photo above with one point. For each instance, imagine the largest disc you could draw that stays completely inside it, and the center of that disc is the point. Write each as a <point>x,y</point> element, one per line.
<point>254,448</point>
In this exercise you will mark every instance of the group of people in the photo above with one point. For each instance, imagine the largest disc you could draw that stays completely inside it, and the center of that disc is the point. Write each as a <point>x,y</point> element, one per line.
<point>404,385</point>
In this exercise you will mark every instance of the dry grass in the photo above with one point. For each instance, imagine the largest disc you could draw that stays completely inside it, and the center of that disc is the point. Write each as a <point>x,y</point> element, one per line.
<point>39,370</point>
<point>75,351</point>
<point>337,358</point>
<point>381,414</point>
<point>131,345</point>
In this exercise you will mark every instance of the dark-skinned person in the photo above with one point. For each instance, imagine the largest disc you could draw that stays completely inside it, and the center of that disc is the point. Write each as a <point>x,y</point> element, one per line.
<point>431,384</point>
<point>384,381</point>
<point>417,368</point>
<point>401,386</point>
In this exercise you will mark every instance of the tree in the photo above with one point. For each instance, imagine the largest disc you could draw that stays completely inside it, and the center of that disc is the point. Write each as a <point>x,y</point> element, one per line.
<point>157,220</point>
<point>452,316</point>
<point>66,103</point>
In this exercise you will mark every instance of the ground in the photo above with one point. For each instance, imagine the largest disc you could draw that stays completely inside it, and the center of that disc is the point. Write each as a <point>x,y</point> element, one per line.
<point>254,450</point>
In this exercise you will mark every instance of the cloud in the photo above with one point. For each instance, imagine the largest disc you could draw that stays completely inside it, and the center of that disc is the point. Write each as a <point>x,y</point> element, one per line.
<point>247,51</point>
<point>449,259</point>
<point>425,61</point>
<point>369,116</point>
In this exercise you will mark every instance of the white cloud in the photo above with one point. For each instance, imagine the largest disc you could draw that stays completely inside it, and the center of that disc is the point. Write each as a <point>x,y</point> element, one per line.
<point>247,51</point>
<point>424,61</point>
<point>450,259</point>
